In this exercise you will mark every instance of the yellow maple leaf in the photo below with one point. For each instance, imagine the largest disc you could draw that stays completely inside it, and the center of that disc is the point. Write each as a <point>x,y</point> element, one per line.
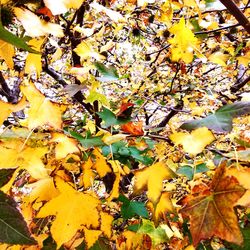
<point>42,190</point>
<point>62,6</point>
<point>152,178</point>
<point>72,210</point>
<point>14,154</point>
<point>100,165</point>
<point>7,51</point>
<point>65,145</point>
<point>164,205</point>
<point>8,108</point>
<point>91,236</point>
<point>42,111</point>
<point>106,224</point>
<point>85,50</point>
<point>219,58</point>
<point>88,176</point>
<point>183,43</point>
<point>195,142</point>
<point>34,26</point>
<point>33,61</point>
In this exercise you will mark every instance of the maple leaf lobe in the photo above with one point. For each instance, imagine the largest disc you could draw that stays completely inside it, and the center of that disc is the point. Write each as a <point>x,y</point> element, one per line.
<point>211,211</point>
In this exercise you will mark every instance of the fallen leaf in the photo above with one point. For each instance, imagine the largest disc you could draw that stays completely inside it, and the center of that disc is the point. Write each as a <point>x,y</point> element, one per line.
<point>100,164</point>
<point>72,210</point>
<point>221,120</point>
<point>157,235</point>
<point>7,52</point>
<point>133,128</point>
<point>242,175</point>
<point>151,178</point>
<point>195,142</point>
<point>42,111</point>
<point>34,61</point>
<point>91,236</point>
<point>34,26</point>
<point>106,224</point>
<point>8,108</point>
<point>65,145</point>
<point>211,209</point>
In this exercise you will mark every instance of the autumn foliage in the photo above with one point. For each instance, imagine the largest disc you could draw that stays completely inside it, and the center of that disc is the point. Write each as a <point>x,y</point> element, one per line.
<point>124,124</point>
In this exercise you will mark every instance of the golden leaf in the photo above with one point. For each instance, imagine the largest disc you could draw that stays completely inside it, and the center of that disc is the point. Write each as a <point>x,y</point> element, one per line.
<point>85,50</point>
<point>242,175</point>
<point>219,58</point>
<point>34,26</point>
<point>152,178</point>
<point>91,236</point>
<point>8,108</point>
<point>42,111</point>
<point>183,43</point>
<point>163,206</point>
<point>7,51</point>
<point>42,190</point>
<point>65,145</point>
<point>100,164</point>
<point>106,224</point>
<point>33,61</point>
<point>72,210</point>
<point>88,176</point>
<point>14,154</point>
<point>195,142</point>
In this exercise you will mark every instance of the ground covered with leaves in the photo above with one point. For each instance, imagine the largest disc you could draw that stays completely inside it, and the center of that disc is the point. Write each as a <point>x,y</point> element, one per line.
<point>124,124</point>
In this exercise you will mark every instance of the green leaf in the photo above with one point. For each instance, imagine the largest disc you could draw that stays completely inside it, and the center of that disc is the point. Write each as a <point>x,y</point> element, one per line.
<point>140,156</point>
<point>110,118</point>
<point>8,37</point>
<point>187,171</point>
<point>158,235</point>
<point>13,228</point>
<point>5,176</point>
<point>190,171</point>
<point>221,120</point>
<point>88,142</point>
<point>108,73</point>
<point>242,155</point>
<point>131,208</point>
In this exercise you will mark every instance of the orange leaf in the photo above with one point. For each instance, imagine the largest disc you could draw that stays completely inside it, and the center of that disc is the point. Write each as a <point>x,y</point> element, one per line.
<point>133,128</point>
<point>211,210</point>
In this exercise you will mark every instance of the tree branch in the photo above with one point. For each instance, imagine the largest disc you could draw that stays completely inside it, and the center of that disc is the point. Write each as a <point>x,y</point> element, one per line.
<point>237,13</point>
<point>239,85</point>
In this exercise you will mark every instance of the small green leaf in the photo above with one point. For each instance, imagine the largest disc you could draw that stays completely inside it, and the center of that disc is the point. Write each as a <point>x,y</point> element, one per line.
<point>8,37</point>
<point>110,118</point>
<point>221,120</point>
<point>242,155</point>
<point>108,73</point>
<point>5,176</point>
<point>131,208</point>
<point>13,228</point>
<point>88,142</point>
<point>190,171</point>
<point>187,171</point>
<point>158,235</point>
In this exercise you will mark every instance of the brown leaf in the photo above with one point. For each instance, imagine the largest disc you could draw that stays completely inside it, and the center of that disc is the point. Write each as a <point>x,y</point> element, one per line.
<point>211,210</point>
